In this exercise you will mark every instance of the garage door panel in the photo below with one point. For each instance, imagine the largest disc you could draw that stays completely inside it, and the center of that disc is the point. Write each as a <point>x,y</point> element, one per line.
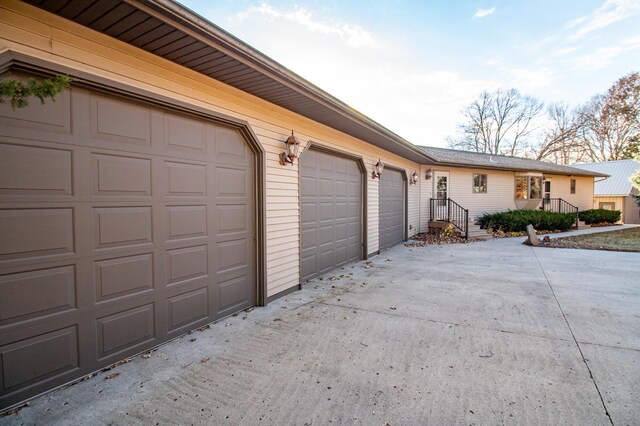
<point>230,147</point>
<point>122,226</point>
<point>188,308</point>
<point>231,182</point>
<point>28,233</point>
<point>326,260</point>
<point>119,121</point>
<point>124,235</point>
<point>186,222</point>
<point>38,358</point>
<point>308,212</point>
<point>232,219</point>
<point>184,134</point>
<point>307,186</point>
<point>54,165</point>
<point>32,294</point>
<point>125,330</point>
<point>233,293</point>
<point>123,276</point>
<point>43,122</point>
<point>121,175</point>
<point>327,209</point>
<point>186,263</point>
<point>185,179</point>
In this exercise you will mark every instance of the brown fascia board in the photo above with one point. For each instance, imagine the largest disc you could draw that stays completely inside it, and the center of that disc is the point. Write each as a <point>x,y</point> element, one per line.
<point>186,20</point>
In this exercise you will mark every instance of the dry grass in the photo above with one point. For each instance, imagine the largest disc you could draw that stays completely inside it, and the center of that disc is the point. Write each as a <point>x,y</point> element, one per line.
<point>619,240</point>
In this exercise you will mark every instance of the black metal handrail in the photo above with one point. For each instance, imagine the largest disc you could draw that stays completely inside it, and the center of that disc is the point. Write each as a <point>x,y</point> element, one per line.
<point>559,205</point>
<point>447,210</point>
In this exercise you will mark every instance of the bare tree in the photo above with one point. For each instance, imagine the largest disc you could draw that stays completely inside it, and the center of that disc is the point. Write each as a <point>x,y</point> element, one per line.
<point>561,143</point>
<point>497,123</point>
<point>612,121</point>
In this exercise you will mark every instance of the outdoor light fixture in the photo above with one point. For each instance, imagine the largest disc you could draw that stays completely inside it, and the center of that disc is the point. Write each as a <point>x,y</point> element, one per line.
<point>292,145</point>
<point>377,169</point>
<point>427,175</point>
<point>414,178</point>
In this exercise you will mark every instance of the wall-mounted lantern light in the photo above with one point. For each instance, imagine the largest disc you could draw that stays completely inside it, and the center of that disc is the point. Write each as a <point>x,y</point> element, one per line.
<point>291,153</point>
<point>413,179</point>
<point>377,169</point>
<point>427,175</point>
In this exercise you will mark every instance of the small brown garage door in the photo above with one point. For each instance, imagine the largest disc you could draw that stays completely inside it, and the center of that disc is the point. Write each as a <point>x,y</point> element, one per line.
<point>331,202</point>
<point>122,226</point>
<point>391,208</point>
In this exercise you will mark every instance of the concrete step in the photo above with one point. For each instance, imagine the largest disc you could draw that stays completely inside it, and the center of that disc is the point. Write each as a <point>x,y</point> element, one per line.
<point>582,225</point>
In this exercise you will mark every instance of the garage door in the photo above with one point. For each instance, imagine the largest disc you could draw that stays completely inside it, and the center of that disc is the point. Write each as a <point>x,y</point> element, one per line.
<point>331,202</point>
<point>123,226</point>
<point>392,188</point>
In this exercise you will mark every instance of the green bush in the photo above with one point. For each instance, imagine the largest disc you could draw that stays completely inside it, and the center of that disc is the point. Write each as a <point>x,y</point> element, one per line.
<point>517,220</point>
<point>599,216</point>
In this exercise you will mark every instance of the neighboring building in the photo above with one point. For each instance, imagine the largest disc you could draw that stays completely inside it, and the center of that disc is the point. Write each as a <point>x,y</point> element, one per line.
<point>616,192</point>
<point>149,199</point>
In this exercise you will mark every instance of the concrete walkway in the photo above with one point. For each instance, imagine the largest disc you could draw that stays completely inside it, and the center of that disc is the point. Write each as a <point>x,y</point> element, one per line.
<point>491,332</point>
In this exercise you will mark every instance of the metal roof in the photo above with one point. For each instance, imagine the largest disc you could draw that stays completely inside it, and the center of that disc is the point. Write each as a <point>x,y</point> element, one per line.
<point>620,171</point>
<point>490,161</point>
<point>168,29</point>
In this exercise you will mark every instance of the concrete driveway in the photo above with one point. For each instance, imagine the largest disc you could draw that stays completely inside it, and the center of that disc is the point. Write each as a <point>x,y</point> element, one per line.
<point>484,333</point>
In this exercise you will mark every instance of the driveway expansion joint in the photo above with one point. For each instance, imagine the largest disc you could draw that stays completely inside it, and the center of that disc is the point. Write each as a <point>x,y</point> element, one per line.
<point>495,330</point>
<point>584,359</point>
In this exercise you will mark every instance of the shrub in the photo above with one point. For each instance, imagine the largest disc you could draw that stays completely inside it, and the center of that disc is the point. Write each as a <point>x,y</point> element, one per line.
<point>517,220</point>
<point>596,216</point>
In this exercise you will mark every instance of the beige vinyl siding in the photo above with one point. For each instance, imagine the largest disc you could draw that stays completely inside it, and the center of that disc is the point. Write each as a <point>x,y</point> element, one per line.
<point>561,188</point>
<point>34,32</point>
<point>499,195</point>
<point>413,204</point>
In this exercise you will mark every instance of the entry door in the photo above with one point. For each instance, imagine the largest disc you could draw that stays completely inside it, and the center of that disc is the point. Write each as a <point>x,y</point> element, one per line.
<point>547,189</point>
<point>441,186</point>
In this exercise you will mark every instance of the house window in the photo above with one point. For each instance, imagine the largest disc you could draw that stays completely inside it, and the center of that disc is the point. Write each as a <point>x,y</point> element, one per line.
<point>607,206</point>
<point>573,186</point>
<point>528,187</point>
<point>479,183</point>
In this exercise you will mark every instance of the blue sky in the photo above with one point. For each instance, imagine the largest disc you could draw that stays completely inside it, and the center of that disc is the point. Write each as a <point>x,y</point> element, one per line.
<point>413,65</point>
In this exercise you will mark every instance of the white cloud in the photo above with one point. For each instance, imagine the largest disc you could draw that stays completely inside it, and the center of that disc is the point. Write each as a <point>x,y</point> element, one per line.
<point>352,34</point>
<point>481,13</point>
<point>609,13</point>
<point>564,51</point>
<point>604,56</point>
<point>530,80</point>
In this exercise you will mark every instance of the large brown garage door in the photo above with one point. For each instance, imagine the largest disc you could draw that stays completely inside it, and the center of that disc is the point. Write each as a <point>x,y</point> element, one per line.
<point>121,226</point>
<point>391,208</point>
<point>331,201</point>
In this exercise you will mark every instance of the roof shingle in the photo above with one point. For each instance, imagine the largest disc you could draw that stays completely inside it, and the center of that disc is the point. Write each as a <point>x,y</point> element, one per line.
<point>455,157</point>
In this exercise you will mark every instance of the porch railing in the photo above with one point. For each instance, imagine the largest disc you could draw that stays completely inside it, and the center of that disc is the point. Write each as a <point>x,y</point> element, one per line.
<point>447,210</point>
<point>559,205</point>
